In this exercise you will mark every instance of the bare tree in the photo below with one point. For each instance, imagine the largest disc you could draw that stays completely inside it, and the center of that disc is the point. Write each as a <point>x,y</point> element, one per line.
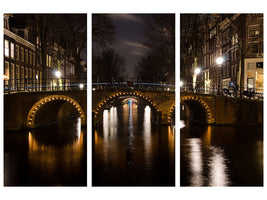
<point>108,67</point>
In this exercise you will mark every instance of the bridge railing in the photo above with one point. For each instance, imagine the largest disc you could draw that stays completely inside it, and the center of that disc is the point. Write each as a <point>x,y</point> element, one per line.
<point>134,86</point>
<point>225,90</point>
<point>35,85</point>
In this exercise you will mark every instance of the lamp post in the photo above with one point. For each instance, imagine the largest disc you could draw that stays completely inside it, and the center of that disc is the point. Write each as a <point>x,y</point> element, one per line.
<point>58,75</point>
<point>219,61</point>
<point>196,72</point>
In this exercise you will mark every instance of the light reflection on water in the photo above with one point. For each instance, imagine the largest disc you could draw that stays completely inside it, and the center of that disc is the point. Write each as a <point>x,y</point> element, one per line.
<point>136,153</point>
<point>51,155</point>
<point>221,156</point>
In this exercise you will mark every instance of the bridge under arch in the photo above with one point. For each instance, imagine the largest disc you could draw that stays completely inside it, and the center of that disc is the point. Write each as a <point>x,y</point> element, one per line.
<point>161,103</point>
<point>62,106</point>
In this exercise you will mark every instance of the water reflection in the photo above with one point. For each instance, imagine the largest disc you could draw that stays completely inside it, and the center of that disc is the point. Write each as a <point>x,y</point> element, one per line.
<point>196,166</point>
<point>147,137</point>
<point>51,155</point>
<point>221,156</point>
<point>218,174</point>
<point>128,150</point>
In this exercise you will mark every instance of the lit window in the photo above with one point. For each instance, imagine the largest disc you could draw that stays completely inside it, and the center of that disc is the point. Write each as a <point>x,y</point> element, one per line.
<point>6,48</point>
<point>254,31</point>
<point>12,46</point>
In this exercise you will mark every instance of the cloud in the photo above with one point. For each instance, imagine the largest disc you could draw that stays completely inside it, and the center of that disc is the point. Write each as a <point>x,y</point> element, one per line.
<point>126,17</point>
<point>134,44</point>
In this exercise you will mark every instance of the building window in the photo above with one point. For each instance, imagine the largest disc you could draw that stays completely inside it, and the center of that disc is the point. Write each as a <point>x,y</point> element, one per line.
<point>21,54</point>
<point>22,77</point>
<point>251,65</point>
<point>6,70</point>
<point>12,48</point>
<point>48,60</point>
<point>253,31</point>
<point>30,57</point>
<point>26,56</point>
<point>17,74</point>
<point>254,47</point>
<point>17,52</point>
<point>33,59</point>
<point>12,75</point>
<point>6,48</point>
<point>259,65</point>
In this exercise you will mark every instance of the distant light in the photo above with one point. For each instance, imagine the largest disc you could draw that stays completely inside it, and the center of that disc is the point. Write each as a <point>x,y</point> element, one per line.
<point>181,83</point>
<point>250,86</point>
<point>58,74</point>
<point>197,70</point>
<point>219,60</point>
<point>36,76</point>
<point>81,86</point>
<point>93,89</point>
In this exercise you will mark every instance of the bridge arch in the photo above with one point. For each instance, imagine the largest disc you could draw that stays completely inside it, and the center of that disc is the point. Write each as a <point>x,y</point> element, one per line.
<point>109,99</point>
<point>39,104</point>
<point>209,118</point>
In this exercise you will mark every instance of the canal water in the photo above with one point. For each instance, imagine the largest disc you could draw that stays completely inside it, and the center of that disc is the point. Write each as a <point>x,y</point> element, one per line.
<point>221,156</point>
<point>128,150</point>
<point>53,155</point>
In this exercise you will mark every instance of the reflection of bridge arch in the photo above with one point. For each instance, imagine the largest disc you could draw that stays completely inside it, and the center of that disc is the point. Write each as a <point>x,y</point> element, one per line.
<point>39,104</point>
<point>209,118</point>
<point>109,99</point>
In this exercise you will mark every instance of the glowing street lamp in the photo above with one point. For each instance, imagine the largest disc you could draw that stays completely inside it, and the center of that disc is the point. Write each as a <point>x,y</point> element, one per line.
<point>219,60</point>
<point>58,74</point>
<point>197,70</point>
<point>81,86</point>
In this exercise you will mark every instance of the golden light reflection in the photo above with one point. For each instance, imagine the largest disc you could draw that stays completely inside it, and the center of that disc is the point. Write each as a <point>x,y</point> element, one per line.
<point>208,136</point>
<point>45,156</point>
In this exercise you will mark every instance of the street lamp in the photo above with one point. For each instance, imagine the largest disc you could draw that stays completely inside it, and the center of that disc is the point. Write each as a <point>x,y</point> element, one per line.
<point>58,74</point>
<point>219,60</point>
<point>81,86</point>
<point>196,72</point>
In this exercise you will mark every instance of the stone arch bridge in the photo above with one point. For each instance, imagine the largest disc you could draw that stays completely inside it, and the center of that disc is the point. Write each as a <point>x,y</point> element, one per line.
<point>161,102</point>
<point>32,109</point>
<point>219,110</point>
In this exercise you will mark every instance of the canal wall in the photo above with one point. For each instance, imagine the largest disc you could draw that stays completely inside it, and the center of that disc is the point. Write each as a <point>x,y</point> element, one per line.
<point>238,111</point>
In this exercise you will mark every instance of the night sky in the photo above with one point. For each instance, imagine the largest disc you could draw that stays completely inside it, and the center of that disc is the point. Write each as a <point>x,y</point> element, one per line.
<point>129,38</point>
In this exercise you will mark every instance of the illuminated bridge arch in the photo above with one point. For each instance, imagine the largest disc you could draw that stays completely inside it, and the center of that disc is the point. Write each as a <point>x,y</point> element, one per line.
<point>209,116</point>
<point>39,104</point>
<point>107,100</point>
